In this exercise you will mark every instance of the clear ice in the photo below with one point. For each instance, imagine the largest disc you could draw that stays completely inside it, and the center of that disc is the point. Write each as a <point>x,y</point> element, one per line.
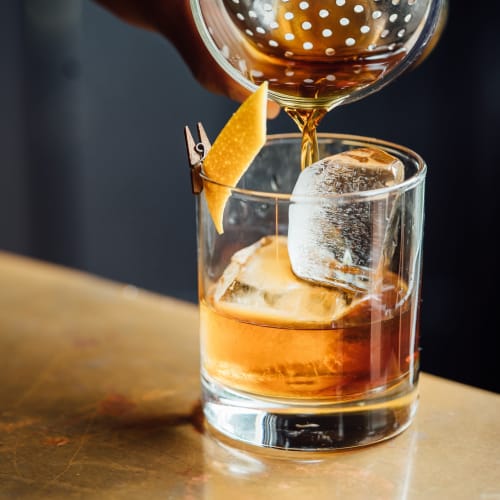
<point>333,240</point>
<point>259,284</point>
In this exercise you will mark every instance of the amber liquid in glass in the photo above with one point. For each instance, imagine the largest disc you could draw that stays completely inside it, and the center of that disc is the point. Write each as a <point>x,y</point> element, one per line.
<point>277,354</point>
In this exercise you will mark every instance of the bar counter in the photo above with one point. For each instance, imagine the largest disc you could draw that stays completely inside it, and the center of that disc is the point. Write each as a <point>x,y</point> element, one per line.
<point>99,398</point>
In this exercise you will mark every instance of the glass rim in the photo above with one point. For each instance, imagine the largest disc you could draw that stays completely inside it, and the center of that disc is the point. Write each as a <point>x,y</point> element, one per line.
<point>362,141</point>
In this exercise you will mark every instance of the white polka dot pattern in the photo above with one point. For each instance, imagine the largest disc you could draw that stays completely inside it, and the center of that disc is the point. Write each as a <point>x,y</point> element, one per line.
<point>302,27</point>
<point>331,35</point>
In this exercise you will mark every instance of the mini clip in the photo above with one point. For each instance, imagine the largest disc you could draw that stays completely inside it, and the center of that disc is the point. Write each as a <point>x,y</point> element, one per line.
<point>197,151</point>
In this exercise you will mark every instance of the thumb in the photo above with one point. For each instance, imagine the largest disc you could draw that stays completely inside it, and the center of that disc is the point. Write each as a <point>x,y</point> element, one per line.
<point>273,109</point>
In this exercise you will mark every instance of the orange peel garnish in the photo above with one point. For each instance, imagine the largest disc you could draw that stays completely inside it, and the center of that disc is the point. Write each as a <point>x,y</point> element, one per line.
<point>233,151</point>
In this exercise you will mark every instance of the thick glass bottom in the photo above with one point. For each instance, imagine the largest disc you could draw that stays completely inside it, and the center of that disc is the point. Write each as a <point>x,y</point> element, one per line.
<point>309,426</point>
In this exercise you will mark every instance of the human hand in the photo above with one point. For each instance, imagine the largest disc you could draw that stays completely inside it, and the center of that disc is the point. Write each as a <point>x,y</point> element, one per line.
<point>173,19</point>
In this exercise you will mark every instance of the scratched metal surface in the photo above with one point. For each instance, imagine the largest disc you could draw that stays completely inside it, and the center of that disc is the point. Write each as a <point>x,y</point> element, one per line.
<point>99,399</point>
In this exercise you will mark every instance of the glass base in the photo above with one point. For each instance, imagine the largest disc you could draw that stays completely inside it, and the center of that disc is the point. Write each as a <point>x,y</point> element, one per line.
<point>309,426</point>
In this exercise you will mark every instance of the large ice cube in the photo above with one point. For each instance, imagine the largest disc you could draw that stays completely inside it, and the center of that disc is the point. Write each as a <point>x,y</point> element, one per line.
<point>335,240</point>
<point>259,285</point>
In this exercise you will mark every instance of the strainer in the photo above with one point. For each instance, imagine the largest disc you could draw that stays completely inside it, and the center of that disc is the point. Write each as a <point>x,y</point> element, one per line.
<point>317,53</point>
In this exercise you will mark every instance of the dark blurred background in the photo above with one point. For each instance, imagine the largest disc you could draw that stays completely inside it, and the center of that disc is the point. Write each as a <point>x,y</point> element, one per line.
<point>93,172</point>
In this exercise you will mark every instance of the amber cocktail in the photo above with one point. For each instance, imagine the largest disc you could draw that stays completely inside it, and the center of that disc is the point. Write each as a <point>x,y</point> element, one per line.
<point>310,303</point>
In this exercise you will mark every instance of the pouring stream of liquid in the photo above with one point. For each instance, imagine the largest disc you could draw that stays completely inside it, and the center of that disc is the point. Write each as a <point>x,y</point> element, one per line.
<point>307,120</point>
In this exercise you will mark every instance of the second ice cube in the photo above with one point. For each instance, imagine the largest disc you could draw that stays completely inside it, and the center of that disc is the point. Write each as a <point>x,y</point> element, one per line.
<point>343,240</point>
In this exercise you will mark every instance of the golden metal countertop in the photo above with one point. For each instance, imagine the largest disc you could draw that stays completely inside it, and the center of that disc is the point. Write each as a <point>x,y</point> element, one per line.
<point>99,399</point>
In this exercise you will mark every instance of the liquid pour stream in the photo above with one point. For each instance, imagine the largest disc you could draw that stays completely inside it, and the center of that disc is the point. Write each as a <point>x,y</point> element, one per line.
<point>307,120</point>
